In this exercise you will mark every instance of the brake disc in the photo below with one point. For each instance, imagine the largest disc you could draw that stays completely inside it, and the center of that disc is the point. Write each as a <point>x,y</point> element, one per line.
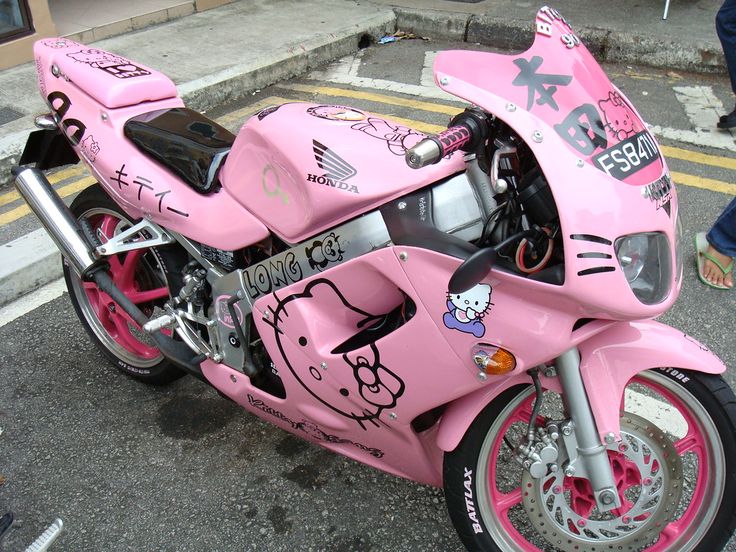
<point>648,474</point>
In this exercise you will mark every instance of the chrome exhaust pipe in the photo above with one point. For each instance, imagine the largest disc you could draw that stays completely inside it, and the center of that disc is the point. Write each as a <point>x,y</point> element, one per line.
<point>57,219</point>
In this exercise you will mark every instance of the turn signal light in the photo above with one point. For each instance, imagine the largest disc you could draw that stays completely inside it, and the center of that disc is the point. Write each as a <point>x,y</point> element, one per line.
<point>495,363</point>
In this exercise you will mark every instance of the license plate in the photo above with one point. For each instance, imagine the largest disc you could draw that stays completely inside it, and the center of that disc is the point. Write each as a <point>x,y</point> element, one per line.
<point>628,156</point>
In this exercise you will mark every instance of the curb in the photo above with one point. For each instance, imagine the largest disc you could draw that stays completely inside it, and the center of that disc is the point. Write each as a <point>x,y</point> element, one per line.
<point>237,82</point>
<point>605,44</point>
<point>27,263</point>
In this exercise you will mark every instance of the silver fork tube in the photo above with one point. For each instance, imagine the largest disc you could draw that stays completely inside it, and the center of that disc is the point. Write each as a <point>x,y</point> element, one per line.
<point>592,454</point>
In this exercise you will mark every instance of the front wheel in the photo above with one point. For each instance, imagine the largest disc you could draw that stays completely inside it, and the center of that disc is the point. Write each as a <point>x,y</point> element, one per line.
<point>146,276</point>
<point>675,471</point>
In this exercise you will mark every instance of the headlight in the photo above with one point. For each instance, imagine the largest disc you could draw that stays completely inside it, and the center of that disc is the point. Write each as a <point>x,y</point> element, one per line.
<point>645,262</point>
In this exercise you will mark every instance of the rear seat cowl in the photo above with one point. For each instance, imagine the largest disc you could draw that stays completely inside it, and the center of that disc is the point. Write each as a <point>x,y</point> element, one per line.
<point>112,80</point>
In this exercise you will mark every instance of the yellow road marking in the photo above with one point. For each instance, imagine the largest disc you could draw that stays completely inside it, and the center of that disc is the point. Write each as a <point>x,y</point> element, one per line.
<point>703,183</point>
<point>64,191</point>
<point>241,114</point>
<point>75,170</point>
<point>69,172</point>
<point>427,128</point>
<point>10,197</point>
<point>372,97</point>
<point>697,157</point>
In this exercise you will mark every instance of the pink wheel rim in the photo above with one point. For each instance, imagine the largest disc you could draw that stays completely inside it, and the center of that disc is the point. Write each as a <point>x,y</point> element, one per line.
<point>581,495</point>
<point>128,274</point>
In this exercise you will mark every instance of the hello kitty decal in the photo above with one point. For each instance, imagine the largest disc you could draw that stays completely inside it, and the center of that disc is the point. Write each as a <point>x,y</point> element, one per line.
<point>398,138</point>
<point>112,64</point>
<point>355,384</point>
<point>90,148</point>
<point>617,116</point>
<point>336,113</point>
<point>466,310</point>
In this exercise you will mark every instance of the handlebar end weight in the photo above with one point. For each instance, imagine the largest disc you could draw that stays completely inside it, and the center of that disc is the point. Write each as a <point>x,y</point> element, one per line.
<point>424,153</point>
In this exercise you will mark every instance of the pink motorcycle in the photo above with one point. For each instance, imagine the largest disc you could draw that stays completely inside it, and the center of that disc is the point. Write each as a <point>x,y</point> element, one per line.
<point>483,323</point>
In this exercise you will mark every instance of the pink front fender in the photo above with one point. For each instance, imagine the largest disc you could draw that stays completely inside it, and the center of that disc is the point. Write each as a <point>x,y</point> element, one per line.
<point>609,359</point>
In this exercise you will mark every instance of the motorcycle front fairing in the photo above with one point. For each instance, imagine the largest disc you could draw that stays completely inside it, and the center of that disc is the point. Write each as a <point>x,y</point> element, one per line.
<point>609,180</point>
<point>603,166</point>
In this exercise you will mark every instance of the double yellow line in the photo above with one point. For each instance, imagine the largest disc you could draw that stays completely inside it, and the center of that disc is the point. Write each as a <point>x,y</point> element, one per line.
<point>64,191</point>
<point>235,118</point>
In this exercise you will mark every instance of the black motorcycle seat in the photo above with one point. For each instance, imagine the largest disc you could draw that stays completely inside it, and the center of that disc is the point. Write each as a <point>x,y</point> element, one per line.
<point>186,142</point>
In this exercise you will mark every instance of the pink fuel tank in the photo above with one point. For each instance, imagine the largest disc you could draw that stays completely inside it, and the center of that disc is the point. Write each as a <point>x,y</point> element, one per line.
<point>303,168</point>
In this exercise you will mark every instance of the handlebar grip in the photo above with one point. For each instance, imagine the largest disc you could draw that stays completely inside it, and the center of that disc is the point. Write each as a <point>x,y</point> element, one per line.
<point>432,149</point>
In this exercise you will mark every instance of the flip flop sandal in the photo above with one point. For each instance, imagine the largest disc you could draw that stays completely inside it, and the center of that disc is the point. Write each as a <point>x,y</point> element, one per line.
<point>701,247</point>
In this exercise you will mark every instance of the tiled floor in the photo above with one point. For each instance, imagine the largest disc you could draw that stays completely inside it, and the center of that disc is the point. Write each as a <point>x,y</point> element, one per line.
<point>88,20</point>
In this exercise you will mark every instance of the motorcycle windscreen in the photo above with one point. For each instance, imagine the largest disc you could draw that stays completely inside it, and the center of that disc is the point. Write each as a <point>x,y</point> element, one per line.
<point>559,81</point>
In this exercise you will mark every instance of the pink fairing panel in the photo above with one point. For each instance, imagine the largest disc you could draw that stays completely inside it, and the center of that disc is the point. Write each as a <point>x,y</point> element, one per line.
<point>560,92</point>
<point>609,360</point>
<point>357,396</point>
<point>303,168</point>
<point>603,167</point>
<point>142,186</point>
<point>112,80</point>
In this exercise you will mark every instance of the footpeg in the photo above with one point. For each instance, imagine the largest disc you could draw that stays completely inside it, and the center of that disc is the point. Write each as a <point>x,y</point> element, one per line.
<point>156,324</point>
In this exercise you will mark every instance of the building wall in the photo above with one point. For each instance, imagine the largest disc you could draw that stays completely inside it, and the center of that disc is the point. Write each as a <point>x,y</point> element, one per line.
<point>20,50</point>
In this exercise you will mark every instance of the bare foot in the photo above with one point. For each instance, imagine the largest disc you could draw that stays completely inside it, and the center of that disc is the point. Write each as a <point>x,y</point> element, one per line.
<point>715,275</point>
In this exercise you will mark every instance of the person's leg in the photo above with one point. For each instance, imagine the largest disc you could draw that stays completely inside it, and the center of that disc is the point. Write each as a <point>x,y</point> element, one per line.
<point>722,240</point>
<point>726,29</point>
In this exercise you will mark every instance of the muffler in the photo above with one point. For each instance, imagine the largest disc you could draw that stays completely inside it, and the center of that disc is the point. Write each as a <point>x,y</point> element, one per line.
<point>57,219</point>
<point>69,237</point>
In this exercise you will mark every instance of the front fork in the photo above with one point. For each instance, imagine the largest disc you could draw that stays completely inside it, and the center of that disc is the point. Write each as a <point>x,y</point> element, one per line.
<point>573,444</point>
<point>587,456</point>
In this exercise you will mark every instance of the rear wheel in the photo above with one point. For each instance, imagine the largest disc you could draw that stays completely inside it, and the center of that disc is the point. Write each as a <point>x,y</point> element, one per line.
<point>675,471</point>
<point>146,276</point>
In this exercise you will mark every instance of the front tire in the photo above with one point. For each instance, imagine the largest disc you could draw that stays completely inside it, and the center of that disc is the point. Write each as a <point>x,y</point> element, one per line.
<point>690,414</point>
<point>145,276</point>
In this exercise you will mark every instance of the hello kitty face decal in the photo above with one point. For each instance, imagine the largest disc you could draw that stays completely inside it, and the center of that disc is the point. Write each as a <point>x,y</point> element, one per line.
<point>336,113</point>
<point>466,310</point>
<point>355,384</point>
<point>112,64</point>
<point>617,115</point>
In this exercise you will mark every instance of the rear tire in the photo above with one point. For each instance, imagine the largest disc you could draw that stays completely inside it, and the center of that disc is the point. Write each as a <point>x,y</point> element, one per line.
<point>148,277</point>
<point>489,512</point>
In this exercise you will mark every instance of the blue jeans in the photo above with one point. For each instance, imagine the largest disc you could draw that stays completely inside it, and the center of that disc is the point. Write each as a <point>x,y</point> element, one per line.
<point>726,29</point>
<point>722,235</point>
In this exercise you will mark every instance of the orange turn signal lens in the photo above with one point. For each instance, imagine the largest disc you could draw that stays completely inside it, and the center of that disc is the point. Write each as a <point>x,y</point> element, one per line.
<point>498,363</point>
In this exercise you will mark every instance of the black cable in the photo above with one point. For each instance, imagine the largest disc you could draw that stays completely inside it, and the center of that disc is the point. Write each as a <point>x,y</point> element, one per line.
<point>491,216</point>
<point>534,373</point>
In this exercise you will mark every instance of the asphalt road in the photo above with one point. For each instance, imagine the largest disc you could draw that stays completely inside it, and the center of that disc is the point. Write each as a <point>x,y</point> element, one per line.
<point>131,467</point>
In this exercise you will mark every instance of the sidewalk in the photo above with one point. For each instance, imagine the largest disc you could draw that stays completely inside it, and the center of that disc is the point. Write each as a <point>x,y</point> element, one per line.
<point>225,53</point>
